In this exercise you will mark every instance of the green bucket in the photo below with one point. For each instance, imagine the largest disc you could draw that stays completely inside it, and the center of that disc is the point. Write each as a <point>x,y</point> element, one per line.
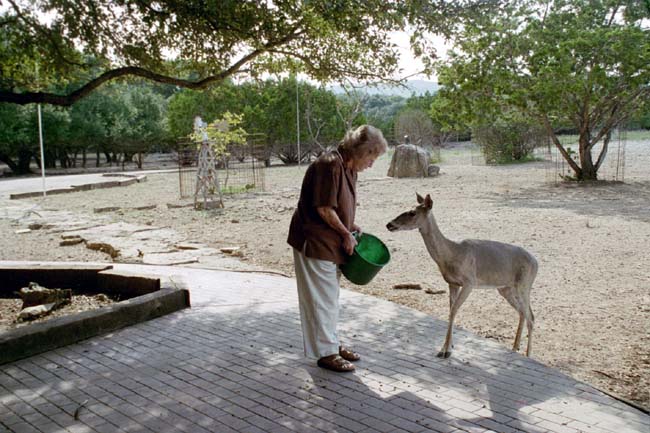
<point>370,255</point>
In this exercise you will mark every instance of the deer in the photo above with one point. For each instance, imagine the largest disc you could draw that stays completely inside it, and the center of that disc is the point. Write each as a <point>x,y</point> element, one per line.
<point>474,264</point>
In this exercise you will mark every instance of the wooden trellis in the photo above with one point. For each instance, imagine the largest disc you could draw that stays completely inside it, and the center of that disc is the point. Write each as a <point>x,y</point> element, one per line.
<point>207,180</point>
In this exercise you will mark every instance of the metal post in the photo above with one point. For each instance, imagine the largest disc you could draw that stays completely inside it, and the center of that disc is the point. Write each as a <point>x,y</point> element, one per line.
<point>298,121</point>
<point>40,140</point>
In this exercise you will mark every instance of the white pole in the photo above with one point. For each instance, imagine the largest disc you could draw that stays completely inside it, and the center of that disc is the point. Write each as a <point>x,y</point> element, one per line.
<point>298,120</point>
<point>40,140</point>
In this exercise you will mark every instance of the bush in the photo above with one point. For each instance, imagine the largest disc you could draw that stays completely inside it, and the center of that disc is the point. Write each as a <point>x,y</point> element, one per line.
<point>504,143</point>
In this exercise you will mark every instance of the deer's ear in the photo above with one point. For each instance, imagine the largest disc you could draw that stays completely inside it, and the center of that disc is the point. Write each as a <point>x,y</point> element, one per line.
<point>420,199</point>
<point>428,203</point>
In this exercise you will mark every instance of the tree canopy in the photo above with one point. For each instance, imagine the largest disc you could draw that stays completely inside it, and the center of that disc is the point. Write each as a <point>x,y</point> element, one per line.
<point>58,51</point>
<point>584,64</point>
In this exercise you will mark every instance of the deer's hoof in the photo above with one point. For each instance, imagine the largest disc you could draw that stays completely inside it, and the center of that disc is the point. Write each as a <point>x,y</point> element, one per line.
<point>443,355</point>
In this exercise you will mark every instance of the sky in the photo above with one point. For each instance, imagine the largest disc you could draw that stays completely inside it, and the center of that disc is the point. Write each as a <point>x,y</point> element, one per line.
<point>408,63</point>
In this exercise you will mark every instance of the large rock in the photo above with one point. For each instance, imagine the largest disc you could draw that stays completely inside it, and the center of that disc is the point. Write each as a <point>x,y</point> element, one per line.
<point>409,161</point>
<point>34,294</point>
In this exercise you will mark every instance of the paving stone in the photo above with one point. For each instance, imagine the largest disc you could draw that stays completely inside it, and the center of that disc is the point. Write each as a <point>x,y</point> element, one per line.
<point>233,363</point>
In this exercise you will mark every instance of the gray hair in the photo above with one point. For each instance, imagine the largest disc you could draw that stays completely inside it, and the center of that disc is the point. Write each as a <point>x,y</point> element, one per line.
<point>364,140</point>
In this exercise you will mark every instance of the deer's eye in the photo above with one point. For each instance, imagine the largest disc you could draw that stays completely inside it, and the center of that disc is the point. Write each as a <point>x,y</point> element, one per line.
<point>412,213</point>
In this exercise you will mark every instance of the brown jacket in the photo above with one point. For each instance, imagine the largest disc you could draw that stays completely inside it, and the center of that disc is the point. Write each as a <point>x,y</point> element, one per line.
<point>326,183</point>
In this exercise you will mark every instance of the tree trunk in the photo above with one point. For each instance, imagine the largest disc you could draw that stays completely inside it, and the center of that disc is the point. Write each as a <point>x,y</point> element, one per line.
<point>7,160</point>
<point>24,159</point>
<point>63,159</point>
<point>588,170</point>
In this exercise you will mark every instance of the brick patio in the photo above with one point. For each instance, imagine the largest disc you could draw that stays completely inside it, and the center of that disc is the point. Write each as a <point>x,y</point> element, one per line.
<point>234,363</point>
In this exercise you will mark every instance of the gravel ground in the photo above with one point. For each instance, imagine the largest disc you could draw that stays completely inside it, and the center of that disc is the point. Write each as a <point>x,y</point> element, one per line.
<point>591,298</point>
<point>10,308</point>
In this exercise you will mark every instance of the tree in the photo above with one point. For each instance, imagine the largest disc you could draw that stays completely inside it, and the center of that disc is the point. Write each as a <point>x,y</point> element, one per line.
<point>322,122</point>
<point>210,104</point>
<point>380,111</point>
<point>18,137</point>
<point>141,122</point>
<point>583,63</point>
<point>197,43</point>
<point>417,125</point>
<point>221,133</point>
<point>349,107</point>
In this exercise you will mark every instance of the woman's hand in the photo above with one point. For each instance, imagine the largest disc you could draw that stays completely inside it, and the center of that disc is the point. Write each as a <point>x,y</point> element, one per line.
<point>349,242</point>
<point>328,214</point>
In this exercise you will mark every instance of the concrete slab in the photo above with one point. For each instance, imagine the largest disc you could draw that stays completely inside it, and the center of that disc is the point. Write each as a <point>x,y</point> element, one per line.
<point>234,363</point>
<point>27,187</point>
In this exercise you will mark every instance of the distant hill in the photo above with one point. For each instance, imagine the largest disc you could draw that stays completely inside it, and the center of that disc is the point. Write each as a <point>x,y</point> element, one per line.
<point>419,87</point>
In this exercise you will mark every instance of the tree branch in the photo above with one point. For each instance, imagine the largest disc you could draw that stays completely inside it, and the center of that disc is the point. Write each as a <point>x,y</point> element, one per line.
<point>603,151</point>
<point>567,157</point>
<point>71,98</point>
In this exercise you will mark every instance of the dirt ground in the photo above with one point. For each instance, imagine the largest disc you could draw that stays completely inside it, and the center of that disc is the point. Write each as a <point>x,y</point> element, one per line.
<point>591,298</point>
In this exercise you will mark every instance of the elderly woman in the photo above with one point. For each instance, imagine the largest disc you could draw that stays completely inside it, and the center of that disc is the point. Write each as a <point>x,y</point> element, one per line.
<point>321,235</point>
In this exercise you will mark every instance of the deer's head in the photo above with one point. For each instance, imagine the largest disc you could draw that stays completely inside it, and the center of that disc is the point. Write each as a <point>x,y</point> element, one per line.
<point>414,218</point>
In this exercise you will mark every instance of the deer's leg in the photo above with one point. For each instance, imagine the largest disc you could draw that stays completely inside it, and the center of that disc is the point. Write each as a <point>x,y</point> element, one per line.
<point>461,296</point>
<point>453,294</point>
<point>530,322</point>
<point>515,300</point>
<point>523,295</point>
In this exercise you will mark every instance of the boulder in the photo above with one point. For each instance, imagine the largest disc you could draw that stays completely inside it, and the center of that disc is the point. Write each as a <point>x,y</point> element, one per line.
<point>35,294</point>
<point>409,161</point>
<point>433,170</point>
<point>32,313</point>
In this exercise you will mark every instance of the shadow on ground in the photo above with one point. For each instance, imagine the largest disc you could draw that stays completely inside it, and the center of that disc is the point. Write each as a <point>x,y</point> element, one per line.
<point>627,200</point>
<point>241,368</point>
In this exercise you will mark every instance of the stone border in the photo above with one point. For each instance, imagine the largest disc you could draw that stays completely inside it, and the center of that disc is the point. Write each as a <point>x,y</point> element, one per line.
<point>149,300</point>
<point>85,187</point>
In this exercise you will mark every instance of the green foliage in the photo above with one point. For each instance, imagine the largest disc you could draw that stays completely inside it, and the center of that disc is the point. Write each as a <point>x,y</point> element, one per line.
<point>380,111</point>
<point>221,133</point>
<point>640,119</point>
<point>420,102</point>
<point>582,63</point>
<point>508,140</point>
<point>417,125</point>
<point>211,40</point>
<point>268,109</point>
<point>120,118</point>
<point>18,136</point>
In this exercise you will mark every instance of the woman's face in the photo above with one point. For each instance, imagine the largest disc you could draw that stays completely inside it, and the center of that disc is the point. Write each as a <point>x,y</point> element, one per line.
<point>364,162</point>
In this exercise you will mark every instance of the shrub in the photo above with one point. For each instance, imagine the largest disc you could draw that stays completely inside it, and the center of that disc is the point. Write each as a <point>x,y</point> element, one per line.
<point>503,143</point>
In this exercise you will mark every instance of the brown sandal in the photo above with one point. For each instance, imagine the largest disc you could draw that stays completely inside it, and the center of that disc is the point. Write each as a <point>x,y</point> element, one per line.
<point>348,354</point>
<point>335,363</point>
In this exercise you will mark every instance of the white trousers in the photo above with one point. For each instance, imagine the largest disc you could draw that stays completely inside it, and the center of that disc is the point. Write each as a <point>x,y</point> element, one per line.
<point>318,298</point>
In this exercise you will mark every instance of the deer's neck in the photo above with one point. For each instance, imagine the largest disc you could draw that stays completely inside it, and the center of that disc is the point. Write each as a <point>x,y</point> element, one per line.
<point>440,248</point>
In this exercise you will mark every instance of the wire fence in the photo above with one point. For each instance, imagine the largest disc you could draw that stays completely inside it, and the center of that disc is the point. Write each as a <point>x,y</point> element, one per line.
<point>241,169</point>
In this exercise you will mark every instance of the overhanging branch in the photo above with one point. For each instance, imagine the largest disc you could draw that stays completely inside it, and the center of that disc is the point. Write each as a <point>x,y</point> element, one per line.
<point>71,98</point>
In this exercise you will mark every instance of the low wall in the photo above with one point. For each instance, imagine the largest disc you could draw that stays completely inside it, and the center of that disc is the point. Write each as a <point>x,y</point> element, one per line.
<point>145,299</point>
